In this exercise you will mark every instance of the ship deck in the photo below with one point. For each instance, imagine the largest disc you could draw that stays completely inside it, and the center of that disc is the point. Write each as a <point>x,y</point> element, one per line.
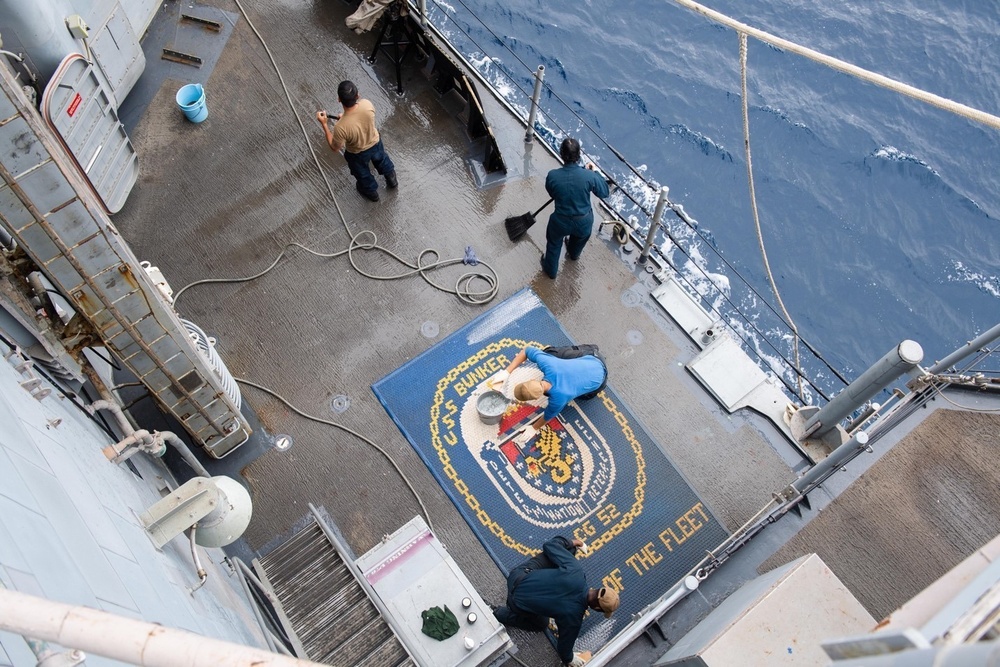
<point>223,198</point>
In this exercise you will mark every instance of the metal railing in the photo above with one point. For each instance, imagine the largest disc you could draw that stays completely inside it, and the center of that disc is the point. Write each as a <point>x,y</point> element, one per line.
<point>676,243</point>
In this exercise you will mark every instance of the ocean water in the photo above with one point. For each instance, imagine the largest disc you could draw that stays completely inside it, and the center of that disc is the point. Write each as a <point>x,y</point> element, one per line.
<point>878,212</point>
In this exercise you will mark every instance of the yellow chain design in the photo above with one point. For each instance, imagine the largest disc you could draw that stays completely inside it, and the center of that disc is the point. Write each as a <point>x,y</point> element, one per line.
<point>471,500</point>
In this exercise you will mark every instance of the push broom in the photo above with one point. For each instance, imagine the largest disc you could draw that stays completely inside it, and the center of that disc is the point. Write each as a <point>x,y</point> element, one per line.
<point>517,225</point>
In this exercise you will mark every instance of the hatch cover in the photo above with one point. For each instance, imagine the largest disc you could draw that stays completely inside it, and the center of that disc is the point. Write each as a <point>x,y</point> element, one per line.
<point>78,108</point>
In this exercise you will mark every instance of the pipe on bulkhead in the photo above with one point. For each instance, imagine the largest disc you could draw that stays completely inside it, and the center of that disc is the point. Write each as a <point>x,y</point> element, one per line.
<point>171,438</point>
<point>202,574</point>
<point>42,302</point>
<point>7,241</point>
<point>38,28</point>
<point>125,639</point>
<point>116,411</point>
<point>902,359</point>
<point>140,439</point>
<point>152,443</point>
<point>44,651</point>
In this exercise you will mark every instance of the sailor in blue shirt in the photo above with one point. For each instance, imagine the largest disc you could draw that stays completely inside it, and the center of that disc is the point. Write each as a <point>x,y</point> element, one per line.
<point>563,380</point>
<point>570,187</point>
<point>554,585</point>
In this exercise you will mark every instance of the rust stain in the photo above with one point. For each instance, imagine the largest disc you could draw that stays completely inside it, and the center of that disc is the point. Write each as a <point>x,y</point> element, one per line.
<point>130,278</point>
<point>85,304</point>
<point>269,416</point>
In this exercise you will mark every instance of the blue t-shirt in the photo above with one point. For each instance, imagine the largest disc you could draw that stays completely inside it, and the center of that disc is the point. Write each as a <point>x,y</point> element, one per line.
<point>569,377</point>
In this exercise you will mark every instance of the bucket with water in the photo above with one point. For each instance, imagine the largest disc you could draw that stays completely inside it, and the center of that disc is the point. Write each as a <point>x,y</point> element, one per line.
<point>191,100</point>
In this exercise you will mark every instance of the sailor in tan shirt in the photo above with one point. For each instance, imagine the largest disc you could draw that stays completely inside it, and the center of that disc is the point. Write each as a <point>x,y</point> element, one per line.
<point>355,134</point>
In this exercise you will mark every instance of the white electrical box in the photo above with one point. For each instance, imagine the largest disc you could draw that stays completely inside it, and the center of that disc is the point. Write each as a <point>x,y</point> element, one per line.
<point>77,27</point>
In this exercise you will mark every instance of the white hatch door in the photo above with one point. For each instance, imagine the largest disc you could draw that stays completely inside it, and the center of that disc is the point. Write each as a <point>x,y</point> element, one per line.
<point>80,111</point>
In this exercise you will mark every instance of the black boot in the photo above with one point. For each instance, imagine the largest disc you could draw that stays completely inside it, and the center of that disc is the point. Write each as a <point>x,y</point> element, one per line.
<point>371,196</point>
<point>390,180</point>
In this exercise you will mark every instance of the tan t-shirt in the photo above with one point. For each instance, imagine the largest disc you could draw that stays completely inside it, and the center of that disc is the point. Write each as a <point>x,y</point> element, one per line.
<point>356,128</point>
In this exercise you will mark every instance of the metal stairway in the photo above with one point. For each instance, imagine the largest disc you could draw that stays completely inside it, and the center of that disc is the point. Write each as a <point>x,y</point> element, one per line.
<point>330,615</point>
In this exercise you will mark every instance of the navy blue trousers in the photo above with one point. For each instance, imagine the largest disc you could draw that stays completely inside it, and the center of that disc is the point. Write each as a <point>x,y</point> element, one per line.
<point>576,232</point>
<point>359,165</point>
<point>511,615</point>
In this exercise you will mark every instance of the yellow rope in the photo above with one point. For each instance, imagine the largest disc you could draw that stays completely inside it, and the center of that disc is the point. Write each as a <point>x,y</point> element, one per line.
<point>756,216</point>
<point>847,68</point>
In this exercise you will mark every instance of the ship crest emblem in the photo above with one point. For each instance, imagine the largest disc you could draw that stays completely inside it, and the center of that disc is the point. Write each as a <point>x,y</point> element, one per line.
<point>557,478</point>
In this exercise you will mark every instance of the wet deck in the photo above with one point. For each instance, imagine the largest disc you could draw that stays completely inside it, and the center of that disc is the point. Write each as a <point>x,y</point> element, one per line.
<point>223,198</point>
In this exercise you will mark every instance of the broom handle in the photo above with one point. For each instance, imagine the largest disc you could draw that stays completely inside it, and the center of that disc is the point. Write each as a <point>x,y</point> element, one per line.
<point>541,209</point>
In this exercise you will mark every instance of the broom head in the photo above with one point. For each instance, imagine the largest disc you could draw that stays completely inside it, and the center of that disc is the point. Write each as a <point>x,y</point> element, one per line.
<point>517,225</point>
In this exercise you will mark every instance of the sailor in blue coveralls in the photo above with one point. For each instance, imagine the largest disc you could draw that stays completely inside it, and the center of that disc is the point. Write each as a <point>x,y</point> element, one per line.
<point>554,585</point>
<point>570,187</point>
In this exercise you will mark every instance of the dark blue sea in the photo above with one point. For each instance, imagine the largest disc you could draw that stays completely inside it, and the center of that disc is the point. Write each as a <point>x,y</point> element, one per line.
<point>879,212</point>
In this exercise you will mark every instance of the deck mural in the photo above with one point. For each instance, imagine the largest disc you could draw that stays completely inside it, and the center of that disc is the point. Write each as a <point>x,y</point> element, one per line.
<point>595,474</point>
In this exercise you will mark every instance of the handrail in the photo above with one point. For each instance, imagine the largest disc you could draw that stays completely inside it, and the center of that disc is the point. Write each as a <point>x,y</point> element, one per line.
<point>126,639</point>
<point>702,283</point>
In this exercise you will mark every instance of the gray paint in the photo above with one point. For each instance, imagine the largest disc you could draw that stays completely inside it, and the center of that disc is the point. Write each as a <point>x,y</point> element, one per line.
<point>69,532</point>
<point>38,30</point>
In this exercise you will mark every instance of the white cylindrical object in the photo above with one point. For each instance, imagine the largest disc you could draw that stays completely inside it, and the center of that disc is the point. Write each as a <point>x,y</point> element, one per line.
<point>125,639</point>
<point>529,133</point>
<point>227,522</point>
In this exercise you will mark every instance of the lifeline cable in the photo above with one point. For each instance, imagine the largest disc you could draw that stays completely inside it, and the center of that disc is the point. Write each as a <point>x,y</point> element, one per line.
<point>944,103</point>
<point>678,213</point>
<point>346,429</point>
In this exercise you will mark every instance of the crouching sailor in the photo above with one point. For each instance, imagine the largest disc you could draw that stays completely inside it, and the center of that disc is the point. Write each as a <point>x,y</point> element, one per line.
<point>554,585</point>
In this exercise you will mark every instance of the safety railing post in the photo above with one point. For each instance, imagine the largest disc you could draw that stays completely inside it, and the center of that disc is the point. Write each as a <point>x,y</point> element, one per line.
<point>654,224</point>
<point>529,133</point>
<point>423,13</point>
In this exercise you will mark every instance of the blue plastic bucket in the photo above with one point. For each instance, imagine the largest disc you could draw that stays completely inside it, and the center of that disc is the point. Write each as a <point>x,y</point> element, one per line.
<point>191,100</point>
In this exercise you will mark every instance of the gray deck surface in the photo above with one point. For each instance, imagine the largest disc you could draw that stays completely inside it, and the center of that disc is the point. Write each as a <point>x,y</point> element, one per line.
<point>221,199</point>
<point>925,505</point>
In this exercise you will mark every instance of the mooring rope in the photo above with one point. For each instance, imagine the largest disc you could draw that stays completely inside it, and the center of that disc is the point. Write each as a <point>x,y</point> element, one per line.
<point>956,108</point>
<point>756,216</point>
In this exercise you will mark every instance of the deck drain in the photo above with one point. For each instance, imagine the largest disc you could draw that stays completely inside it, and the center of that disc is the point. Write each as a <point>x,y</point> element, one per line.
<point>282,442</point>
<point>340,403</point>
<point>634,337</point>
<point>631,298</point>
<point>429,329</point>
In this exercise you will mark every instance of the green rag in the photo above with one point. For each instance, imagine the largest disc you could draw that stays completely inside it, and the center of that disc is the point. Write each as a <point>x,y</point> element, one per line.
<point>439,623</point>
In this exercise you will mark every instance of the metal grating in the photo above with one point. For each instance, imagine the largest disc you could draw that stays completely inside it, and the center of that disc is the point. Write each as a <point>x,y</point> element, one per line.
<point>326,607</point>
